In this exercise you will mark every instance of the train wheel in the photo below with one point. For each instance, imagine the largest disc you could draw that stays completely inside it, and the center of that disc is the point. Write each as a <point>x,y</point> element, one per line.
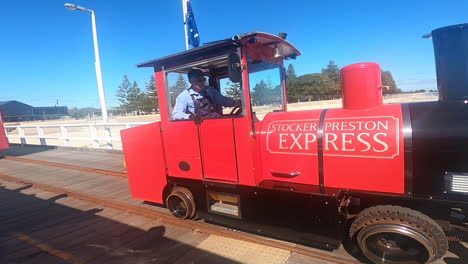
<point>397,235</point>
<point>181,203</point>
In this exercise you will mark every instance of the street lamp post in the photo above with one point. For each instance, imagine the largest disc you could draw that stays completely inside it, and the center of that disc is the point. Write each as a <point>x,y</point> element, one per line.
<point>97,63</point>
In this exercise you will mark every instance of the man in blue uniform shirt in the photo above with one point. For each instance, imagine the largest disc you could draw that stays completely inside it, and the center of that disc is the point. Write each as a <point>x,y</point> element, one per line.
<point>200,101</point>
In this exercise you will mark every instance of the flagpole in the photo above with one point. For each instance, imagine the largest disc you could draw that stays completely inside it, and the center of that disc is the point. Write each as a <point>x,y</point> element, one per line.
<point>184,7</point>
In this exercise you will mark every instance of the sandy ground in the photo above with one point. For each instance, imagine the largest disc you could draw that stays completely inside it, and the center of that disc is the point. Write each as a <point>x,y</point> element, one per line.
<point>53,133</point>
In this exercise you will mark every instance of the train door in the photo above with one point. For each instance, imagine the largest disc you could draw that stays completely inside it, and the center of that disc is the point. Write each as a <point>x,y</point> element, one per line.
<point>3,138</point>
<point>218,150</point>
<point>198,151</point>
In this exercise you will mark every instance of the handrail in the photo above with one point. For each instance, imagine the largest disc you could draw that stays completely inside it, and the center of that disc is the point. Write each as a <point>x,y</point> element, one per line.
<point>68,137</point>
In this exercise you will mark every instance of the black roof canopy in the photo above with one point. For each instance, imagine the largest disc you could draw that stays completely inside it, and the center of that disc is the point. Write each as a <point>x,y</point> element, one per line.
<point>217,48</point>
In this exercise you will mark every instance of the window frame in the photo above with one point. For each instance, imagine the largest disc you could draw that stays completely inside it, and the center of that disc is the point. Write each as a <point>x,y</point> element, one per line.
<point>183,69</point>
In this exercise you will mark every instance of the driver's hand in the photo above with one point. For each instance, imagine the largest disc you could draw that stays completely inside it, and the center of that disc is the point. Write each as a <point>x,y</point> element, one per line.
<point>237,103</point>
<point>196,118</point>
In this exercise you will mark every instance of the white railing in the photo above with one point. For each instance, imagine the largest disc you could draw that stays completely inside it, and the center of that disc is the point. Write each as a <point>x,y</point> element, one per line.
<point>92,135</point>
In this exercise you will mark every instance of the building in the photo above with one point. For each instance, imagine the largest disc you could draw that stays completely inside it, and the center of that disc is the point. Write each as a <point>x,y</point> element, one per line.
<point>50,112</point>
<point>15,111</point>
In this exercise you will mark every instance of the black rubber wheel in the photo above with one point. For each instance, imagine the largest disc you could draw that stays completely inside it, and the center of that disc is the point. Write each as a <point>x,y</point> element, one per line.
<point>398,235</point>
<point>181,203</point>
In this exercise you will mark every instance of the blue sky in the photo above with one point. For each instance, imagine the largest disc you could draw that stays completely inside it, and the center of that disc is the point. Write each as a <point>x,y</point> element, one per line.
<point>46,51</point>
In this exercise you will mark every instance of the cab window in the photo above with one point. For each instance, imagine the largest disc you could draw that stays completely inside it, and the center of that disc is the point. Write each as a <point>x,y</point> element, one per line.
<point>230,89</point>
<point>215,73</point>
<point>266,89</point>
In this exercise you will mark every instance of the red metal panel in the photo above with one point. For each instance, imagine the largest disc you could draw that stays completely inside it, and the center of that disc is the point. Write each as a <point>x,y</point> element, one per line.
<point>144,158</point>
<point>361,85</point>
<point>3,137</point>
<point>244,150</point>
<point>162,97</point>
<point>180,138</point>
<point>181,145</point>
<point>244,139</point>
<point>218,150</point>
<point>289,146</point>
<point>257,153</point>
<point>364,149</point>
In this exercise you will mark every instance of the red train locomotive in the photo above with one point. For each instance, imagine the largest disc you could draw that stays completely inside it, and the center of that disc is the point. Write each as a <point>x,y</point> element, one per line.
<point>376,173</point>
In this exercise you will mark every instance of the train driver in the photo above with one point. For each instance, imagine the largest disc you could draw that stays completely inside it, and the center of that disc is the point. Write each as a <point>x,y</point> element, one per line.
<point>199,101</point>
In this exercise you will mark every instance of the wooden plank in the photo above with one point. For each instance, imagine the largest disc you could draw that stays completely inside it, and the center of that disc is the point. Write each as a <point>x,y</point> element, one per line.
<point>89,182</point>
<point>115,184</point>
<point>216,249</point>
<point>46,217</point>
<point>301,259</point>
<point>34,171</point>
<point>82,179</point>
<point>53,236</point>
<point>143,245</point>
<point>110,190</point>
<point>47,220</point>
<point>122,194</point>
<point>82,238</point>
<point>101,186</point>
<point>97,160</point>
<point>104,243</point>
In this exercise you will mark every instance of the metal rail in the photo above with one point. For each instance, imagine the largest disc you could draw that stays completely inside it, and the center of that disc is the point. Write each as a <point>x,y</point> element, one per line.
<point>194,225</point>
<point>99,135</point>
<point>68,166</point>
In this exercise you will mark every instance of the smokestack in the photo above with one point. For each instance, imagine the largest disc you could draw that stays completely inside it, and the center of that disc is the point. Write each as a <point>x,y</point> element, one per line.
<point>451,57</point>
<point>361,86</point>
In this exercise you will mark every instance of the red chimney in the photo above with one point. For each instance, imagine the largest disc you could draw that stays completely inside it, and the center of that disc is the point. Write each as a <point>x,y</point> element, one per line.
<point>361,86</point>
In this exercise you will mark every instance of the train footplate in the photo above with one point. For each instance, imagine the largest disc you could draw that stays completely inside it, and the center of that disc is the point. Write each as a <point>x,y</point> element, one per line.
<point>223,203</point>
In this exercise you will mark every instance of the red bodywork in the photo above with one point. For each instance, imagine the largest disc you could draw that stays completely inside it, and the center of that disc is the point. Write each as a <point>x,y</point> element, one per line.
<point>359,147</point>
<point>145,162</point>
<point>3,137</point>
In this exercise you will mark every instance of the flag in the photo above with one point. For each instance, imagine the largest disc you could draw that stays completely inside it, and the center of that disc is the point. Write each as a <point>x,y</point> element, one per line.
<point>192,31</point>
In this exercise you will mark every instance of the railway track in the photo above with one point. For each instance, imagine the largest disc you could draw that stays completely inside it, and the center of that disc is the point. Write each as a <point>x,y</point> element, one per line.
<point>67,166</point>
<point>163,215</point>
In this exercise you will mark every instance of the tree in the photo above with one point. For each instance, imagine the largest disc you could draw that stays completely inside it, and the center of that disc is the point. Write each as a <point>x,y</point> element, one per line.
<point>233,90</point>
<point>387,80</point>
<point>264,93</point>
<point>331,81</point>
<point>178,87</point>
<point>130,96</point>
<point>134,96</point>
<point>290,73</point>
<point>332,71</point>
<point>260,93</point>
<point>80,113</point>
<point>294,93</point>
<point>151,99</point>
<point>123,92</point>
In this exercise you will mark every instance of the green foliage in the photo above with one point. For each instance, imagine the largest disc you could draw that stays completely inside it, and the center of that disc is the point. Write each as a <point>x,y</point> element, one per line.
<point>79,113</point>
<point>123,93</point>
<point>264,93</point>
<point>151,103</point>
<point>260,92</point>
<point>387,80</point>
<point>315,86</point>
<point>291,73</point>
<point>177,88</point>
<point>332,71</point>
<point>132,98</point>
<point>233,90</point>
<point>326,85</point>
<point>135,98</point>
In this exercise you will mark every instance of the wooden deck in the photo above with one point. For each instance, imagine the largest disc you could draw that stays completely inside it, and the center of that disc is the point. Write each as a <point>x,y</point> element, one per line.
<point>43,227</point>
<point>112,160</point>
